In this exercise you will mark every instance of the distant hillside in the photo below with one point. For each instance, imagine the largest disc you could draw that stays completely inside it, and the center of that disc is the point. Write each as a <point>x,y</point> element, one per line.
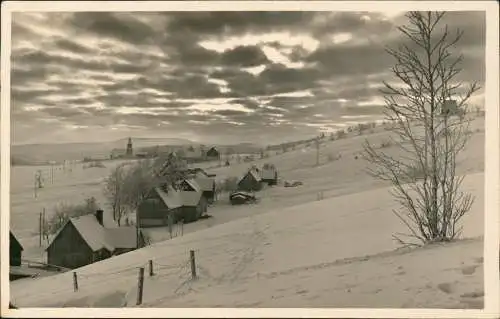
<point>33,154</point>
<point>40,153</point>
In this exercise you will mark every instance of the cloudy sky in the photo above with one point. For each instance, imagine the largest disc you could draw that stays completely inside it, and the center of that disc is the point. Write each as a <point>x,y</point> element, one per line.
<point>207,76</point>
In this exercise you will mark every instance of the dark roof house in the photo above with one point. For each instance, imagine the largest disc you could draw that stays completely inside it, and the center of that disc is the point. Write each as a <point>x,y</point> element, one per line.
<point>15,250</point>
<point>213,153</point>
<point>84,240</point>
<point>251,181</point>
<point>160,203</point>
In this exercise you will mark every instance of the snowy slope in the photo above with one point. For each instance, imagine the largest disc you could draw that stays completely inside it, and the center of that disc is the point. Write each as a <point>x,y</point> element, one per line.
<point>293,257</point>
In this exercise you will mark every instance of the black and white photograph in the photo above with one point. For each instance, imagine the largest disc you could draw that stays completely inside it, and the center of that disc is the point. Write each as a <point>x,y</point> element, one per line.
<point>267,158</point>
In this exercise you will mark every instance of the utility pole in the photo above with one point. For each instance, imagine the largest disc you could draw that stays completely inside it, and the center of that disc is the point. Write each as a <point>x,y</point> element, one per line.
<point>317,150</point>
<point>40,230</point>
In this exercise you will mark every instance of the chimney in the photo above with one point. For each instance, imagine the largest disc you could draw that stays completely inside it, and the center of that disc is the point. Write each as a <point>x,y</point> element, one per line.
<point>99,216</point>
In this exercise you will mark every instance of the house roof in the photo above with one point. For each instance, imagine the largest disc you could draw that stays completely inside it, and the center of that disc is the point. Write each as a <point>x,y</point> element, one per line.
<point>14,240</point>
<point>205,183</point>
<point>92,232</point>
<point>254,174</point>
<point>122,237</point>
<point>97,237</point>
<point>193,183</point>
<point>191,198</point>
<point>171,198</point>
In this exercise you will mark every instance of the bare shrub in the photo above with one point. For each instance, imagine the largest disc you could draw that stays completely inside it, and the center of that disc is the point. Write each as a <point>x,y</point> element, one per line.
<point>424,177</point>
<point>127,186</point>
<point>63,211</point>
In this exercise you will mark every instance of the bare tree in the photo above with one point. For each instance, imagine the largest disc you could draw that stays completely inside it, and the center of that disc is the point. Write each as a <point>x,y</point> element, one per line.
<point>429,136</point>
<point>63,211</point>
<point>113,191</point>
<point>138,182</point>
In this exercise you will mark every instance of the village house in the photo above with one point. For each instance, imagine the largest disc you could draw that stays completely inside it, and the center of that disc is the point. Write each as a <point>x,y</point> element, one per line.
<point>84,240</point>
<point>184,202</point>
<point>15,250</point>
<point>205,181</point>
<point>155,209</point>
<point>251,181</point>
<point>213,154</point>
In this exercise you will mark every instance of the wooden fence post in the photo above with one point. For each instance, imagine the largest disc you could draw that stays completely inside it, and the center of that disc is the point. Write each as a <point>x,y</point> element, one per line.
<point>151,272</point>
<point>140,287</point>
<point>193,264</point>
<point>75,281</point>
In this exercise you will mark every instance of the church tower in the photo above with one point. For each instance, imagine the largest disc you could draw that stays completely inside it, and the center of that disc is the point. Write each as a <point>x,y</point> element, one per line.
<point>129,147</point>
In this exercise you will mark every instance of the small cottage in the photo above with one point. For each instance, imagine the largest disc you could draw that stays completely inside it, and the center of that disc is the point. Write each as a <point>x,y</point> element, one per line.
<point>251,181</point>
<point>213,154</point>
<point>155,209</point>
<point>84,240</point>
<point>15,249</point>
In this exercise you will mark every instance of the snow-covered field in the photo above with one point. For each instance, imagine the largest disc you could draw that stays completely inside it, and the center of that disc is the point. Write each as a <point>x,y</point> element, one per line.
<point>289,250</point>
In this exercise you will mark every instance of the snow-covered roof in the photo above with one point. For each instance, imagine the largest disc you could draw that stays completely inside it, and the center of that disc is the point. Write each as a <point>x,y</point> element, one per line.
<point>255,174</point>
<point>97,237</point>
<point>191,198</point>
<point>193,183</point>
<point>122,237</point>
<point>205,183</point>
<point>171,198</point>
<point>92,232</point>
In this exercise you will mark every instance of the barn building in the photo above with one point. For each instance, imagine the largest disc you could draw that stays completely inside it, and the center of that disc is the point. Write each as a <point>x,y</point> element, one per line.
<point>184,202</point>
<point>84,240</point>
<point>269,174</point>
<point>15,249</point>
<point>251,181</point>
<point>155,209</point>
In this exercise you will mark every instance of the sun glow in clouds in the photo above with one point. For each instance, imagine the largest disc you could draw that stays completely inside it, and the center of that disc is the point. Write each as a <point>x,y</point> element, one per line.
<point>256,70</point>
<point>206,107</point>
<point>284,38</point>
<point>341,37</point>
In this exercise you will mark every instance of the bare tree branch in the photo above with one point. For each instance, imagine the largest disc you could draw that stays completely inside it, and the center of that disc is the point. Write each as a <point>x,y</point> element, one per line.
<point>428,136</point>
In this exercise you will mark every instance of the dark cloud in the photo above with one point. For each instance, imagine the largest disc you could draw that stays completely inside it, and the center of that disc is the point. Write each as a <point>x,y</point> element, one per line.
<point>63,113</point>
<point>72,46</point>
<point>156,63</point>
<point>353,22</point>
<point>244,56</point>
<point>119,25</point>
<point>348,60</point>
<point>223,23</point>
